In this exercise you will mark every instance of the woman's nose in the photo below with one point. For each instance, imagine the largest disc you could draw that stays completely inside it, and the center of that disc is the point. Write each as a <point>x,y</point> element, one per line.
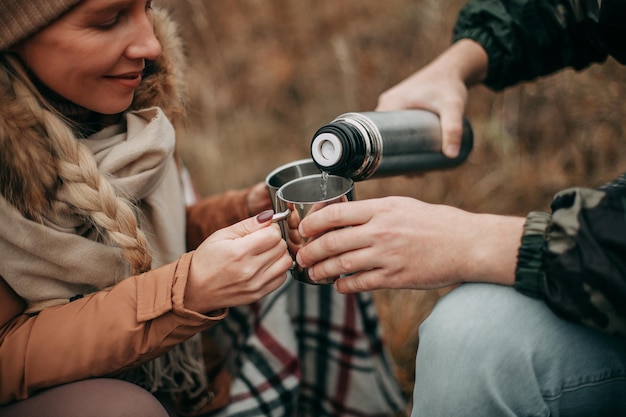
<point>145,45</point>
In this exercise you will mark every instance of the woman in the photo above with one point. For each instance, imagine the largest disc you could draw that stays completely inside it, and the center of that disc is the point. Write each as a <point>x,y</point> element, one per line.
<point>93,233</point>
<point>92,219</point>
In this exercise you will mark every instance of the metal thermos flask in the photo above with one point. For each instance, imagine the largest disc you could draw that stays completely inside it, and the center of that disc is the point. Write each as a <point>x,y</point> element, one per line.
<point>377,144</point>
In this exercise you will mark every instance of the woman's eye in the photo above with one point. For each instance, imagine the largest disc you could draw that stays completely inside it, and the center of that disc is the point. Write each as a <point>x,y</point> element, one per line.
<point>108,25</point>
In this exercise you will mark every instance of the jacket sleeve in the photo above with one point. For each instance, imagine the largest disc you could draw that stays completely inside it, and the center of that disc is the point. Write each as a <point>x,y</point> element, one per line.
<point>213,213</point>
<point>575,257</point>
<point>525,39</point>
<point>11,304</point>
<point>139,319</point>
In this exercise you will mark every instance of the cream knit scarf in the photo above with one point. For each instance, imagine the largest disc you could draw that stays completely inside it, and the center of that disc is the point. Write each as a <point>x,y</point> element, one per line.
<point>49,263</point>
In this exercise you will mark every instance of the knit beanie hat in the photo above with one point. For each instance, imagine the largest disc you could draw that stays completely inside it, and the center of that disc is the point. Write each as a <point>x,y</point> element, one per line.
<point>21,18</point>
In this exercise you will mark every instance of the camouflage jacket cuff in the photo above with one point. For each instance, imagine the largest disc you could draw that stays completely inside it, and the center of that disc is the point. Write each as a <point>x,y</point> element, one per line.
<point>529,272</point>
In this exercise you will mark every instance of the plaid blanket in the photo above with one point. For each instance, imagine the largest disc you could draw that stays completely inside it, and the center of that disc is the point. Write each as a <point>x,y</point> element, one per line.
<point>307,350</point>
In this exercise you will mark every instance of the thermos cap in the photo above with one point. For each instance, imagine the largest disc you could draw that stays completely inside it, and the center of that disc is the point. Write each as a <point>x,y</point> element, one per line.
<point>326,149</point>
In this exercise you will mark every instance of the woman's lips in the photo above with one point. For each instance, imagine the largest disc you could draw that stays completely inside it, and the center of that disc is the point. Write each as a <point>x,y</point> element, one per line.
<point>129,80</point>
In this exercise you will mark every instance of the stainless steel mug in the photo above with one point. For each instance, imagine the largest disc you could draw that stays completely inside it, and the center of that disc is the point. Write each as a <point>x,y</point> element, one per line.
<point>285,173</point>
<point>301,196</point>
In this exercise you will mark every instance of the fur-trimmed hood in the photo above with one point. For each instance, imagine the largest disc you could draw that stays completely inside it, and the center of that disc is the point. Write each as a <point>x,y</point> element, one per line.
<point>27,169</point>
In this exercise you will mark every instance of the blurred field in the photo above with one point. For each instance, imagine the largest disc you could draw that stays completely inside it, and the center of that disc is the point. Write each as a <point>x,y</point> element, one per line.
<point>265,74</point>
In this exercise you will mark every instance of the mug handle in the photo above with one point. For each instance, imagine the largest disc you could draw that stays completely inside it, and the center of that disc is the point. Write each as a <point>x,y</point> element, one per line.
<point>281,216</point>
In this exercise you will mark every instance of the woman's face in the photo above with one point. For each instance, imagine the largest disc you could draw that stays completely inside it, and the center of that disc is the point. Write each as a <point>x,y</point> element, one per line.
<point>94,55</point>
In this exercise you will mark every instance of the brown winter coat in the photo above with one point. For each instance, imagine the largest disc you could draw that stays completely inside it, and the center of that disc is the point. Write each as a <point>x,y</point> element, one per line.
<point>141,317</point>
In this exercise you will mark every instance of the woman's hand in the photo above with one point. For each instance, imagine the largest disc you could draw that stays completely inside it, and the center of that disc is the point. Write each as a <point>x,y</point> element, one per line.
<point>400,242</point>
<point>237,265</point>
<point>442,87</point>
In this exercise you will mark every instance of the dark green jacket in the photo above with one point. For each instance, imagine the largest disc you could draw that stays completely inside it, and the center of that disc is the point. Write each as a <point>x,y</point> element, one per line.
<point>575,257</point>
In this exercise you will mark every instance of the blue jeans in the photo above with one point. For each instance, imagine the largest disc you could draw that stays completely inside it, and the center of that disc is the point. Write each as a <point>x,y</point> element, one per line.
<point>487,350</point>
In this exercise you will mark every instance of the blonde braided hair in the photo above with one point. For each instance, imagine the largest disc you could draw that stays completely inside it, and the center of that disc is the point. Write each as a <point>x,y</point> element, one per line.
<point>70,182</point>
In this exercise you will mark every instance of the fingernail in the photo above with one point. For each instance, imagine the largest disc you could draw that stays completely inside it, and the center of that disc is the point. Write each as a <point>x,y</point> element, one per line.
<point>452,151</point>
<point>265,216</point>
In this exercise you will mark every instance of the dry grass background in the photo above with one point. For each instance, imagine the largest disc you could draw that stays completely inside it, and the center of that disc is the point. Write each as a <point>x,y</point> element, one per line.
<point>265,74</point>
